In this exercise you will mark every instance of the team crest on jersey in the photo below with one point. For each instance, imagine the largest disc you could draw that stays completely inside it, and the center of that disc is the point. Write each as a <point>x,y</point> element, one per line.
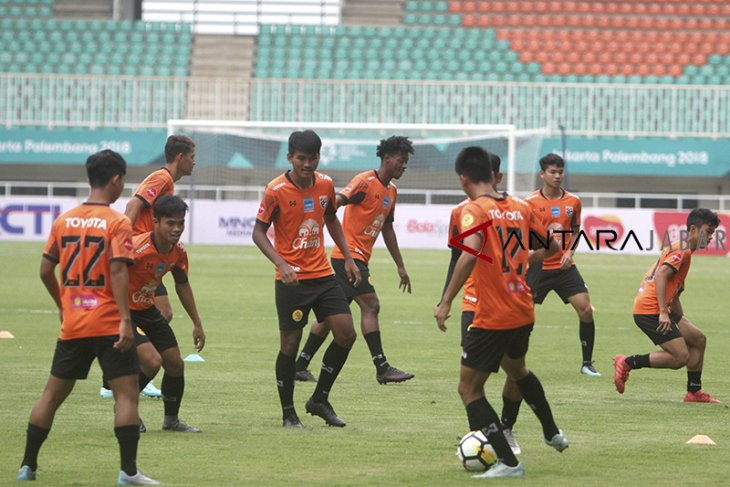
<point>467,220</point>
<point>386,201</point>
<point>160,269</point>
<point>308,204</point>
<point>569,210</point>
<point>297,315</point>
<point>555,211</point>
<point>323,201</point>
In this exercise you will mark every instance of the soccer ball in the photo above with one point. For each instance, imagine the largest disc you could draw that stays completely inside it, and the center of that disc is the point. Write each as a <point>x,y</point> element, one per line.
<point>475,452</point>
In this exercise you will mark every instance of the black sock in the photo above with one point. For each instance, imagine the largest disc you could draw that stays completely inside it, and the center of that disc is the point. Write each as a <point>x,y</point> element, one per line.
<point>694,380</point>
<point>172,392</point>
<point>285,372</point>
<point>534,395</point>
<point>128,438</point>
<point>34,438</point>
<point>638,361</point>
<point>510,409</point>
<point>332,362</point>
<point>587,334</point>
<point>483,417</point>
<point>376,351</point>
<point>143,381</point>
<point>310,348</point>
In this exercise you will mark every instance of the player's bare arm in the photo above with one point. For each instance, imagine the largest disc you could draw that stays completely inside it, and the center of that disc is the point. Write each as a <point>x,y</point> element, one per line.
<point>48,276</point>
<point>185,293</point>
<point>338,235</point>
<point>391,242</point>
<point>542,254</point>
<point>462,270</point>
<point>119,277</point>
<point>567,259</point>
<point>287,273</point>
<point>134,205</point>
<point>660,280</point>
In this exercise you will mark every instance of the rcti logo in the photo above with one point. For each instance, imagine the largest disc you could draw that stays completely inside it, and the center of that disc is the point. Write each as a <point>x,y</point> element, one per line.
<point>14,219</point>
<point>456,241</point>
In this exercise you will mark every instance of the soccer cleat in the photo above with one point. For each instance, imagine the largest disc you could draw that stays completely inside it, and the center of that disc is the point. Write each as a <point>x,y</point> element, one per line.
<point>700,396</point>
<point>500,470</point>
<point>558,441</point>
<point>325,411</point>
<point>305,376</point>
<point>589,370</point>
<point>292,421</point>
<point>393,375</point>
<point>142,427</point>
<point>138,479</point>
<point>151,391</point>
<point>514,446</point>
<point>180,427</point>
<point>105,393</point>
<point>620,372</point>
<point>25,473</point>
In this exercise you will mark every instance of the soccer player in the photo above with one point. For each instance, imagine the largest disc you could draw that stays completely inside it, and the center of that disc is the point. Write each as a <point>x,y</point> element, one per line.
<point>299,203</point>
<point>180,157</point>
<point>369,201</point>
<point>561,211</point>
<point>155,254</point>
<point>658,312</point>
<point>93,245</point>
<point>504,316</point>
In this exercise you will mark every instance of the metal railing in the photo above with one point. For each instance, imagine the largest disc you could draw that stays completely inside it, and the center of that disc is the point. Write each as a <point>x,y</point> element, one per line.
<point>148,102</point>
<point>417,196</point>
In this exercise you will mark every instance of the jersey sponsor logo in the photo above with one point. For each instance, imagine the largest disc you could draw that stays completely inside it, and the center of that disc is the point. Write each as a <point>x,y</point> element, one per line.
<point>128,244</point>
<point>261,208</point>
<point>76,222</point>
<point>84,301</point>
<point>373,230</point>
<point>308,204</point>
<point>516,287</point>
<point>555,211</point>
<point>323,201</point>
<point>386,201</point>
<point>467,220</point>
<point>278,186</point>
<point>568,210</point>
<point>297,315</point>
<point>145,294</point>
<point>512,216</point>
<point>471,299</point>
<point>308,235</point>
<point>675,259</point>
<point>151,192</point>
<point>142,248</point>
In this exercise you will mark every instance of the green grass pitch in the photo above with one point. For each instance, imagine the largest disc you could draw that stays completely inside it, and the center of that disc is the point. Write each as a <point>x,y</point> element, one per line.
<point>402,434</point>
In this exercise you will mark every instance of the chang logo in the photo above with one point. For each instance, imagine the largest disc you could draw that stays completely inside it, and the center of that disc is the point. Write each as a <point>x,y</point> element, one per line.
<point>308,236</point>
<point>373,230</point>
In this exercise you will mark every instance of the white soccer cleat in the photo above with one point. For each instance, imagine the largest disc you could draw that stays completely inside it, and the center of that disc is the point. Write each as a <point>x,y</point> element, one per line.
<point>151,391</point>
<point>105,393</point>
<point>559,441</point>
<point>589,370</point>
<point>500,470</point>
<point>510,437</point>
<point>138,479</point>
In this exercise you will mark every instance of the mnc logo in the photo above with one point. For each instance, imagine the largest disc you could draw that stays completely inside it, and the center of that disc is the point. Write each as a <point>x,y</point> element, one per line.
<point>237,226</point>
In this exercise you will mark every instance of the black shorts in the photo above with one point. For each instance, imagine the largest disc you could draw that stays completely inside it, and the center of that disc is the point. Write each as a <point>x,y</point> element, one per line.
<point>72,359</point>
<point>161,290</point>
<point>467,317</point>
<point>566,283</point>
<point>139,336</point>
<point>532,277</point>
<point>483,349</point>
<point>649,323</point>
<point>293,303</point>
<point>155,327</point>
<point>366,283</point>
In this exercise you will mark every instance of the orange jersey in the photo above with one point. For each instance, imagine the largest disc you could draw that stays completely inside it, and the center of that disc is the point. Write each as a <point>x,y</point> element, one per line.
<point>149,267</point>
<point>678,259</point>
<point>298,218</point>
<point>84,241</point>
<point>469,295</point>
<point>370,204</point>
<point>504,300</point>
<point>155,185</point>
<point>558,215</point>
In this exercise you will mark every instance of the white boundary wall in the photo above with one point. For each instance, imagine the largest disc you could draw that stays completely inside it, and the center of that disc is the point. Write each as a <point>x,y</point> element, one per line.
<point>417,226</point>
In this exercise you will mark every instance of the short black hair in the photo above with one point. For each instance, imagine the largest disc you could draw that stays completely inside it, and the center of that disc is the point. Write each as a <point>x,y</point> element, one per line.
<point>168,205</point>
<point>495,162</point>
<point>306,141</point>
<point>178,144</point>
<point>397,144</point>
<point>102,166</point>
<point>474,163</point>
<point>701,216</point>
<point>551,160</point>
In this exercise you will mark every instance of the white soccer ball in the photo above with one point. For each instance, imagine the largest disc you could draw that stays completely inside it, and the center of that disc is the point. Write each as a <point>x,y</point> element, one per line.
<point>475,453</point>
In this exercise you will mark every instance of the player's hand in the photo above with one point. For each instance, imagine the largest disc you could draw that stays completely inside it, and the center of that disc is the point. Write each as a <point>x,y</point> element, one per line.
<point>353,273</point>
<point>198,338</point>
<point>442,313</point>
<point>126,336</point>
<point>405,281</point>
<point>566,261</point>
<point>288,274</point>
<point>665,324</point>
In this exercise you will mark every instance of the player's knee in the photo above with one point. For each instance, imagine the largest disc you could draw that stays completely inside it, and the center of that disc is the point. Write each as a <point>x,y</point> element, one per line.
<point>700,341</point>
<point>681,358</point>
<point>371,307</point>
<point>175,367</point>
<point>347,339</point>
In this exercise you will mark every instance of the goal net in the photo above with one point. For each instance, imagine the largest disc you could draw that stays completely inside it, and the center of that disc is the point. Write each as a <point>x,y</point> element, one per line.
<point>249,154</point>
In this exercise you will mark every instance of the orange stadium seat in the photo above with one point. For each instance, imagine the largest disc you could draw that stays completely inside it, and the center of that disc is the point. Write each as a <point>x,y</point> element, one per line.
<point>468,7</point>
<point>455,7</point>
